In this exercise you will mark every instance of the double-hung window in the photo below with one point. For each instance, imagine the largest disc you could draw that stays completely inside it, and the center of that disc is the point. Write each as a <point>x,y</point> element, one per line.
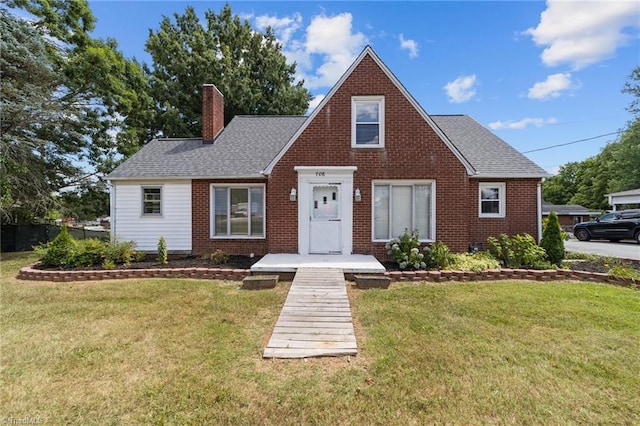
<point>491,202</point>
<point>152,201</point>
<point>367,121</point>
<point>237,211</point>
<point>403,205</point>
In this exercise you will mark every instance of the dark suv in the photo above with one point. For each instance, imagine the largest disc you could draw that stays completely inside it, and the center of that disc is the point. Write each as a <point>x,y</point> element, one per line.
<point>614,226</point>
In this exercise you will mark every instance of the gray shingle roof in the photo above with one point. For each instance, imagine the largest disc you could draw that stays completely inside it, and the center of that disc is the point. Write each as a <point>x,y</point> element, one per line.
<point>243,149</point>
<point>489,155</point>
<point>249,143</point>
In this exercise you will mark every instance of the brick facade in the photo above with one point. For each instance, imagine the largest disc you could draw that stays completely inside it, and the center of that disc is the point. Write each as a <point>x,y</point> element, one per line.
<point>413,150</point>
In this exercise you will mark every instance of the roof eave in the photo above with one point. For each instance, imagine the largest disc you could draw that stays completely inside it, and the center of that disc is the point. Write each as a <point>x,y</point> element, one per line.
<point>156,178</point>
<point>516,176</point>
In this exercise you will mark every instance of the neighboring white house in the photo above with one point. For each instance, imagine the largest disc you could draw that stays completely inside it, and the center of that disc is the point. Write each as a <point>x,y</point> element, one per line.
<point>625,197</point>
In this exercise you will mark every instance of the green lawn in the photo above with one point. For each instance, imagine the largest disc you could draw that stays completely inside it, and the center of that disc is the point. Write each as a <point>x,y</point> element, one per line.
<point>189,351</point>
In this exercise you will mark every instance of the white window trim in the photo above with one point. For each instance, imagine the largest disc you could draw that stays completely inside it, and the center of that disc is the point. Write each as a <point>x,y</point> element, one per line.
<point>414,182</point>
<point>502,195</point>
<point>370,99</point>
<point>212,216</point>
<point>142,188</point>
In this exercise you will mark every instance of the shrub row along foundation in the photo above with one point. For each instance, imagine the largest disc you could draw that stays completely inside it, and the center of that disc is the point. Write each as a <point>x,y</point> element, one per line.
<point>33,274</point>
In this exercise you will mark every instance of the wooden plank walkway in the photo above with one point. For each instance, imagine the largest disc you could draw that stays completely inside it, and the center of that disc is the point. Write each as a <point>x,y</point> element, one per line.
<point>315,319</point>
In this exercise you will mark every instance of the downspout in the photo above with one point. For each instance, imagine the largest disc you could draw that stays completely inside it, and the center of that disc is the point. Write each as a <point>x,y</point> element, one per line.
<point>112,211</point>
<point>539,202</point>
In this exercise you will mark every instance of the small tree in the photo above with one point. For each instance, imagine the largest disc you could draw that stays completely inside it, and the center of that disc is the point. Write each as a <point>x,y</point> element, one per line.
<point>59,252</point>
<point>162,251</point>
<point>552,241</point>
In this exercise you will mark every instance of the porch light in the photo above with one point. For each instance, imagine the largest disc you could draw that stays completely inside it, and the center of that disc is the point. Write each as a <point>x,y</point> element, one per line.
<point>293,194</point>
<point>358,195</point>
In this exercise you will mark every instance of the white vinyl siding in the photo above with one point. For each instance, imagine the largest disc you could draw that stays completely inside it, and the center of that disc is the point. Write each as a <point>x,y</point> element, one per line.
<point>130,223</point>
<point>403,205</point>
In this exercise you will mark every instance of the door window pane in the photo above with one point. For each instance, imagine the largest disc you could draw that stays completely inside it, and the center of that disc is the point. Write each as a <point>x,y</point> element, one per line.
<point>325,205</point>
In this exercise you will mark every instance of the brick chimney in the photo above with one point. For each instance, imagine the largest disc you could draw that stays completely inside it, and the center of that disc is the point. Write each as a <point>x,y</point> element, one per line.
<point>212,112</point>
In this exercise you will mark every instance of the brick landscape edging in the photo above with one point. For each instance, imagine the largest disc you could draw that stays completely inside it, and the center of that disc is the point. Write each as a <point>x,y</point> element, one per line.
<point>33,274</point>
<point>511,274</point>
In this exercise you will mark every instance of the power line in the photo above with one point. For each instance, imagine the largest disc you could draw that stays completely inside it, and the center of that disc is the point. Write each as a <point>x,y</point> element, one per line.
<point>571,143</point>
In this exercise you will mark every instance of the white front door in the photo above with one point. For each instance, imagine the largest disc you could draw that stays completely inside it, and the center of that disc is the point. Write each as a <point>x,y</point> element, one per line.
<point>325,218</point>
<point>325,209</point>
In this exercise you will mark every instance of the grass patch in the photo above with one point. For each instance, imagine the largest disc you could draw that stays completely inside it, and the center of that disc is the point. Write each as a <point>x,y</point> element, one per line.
<point>185,351</point>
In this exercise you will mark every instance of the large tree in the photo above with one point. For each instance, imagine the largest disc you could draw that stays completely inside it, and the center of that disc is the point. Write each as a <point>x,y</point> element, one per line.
<point>247,66</point>
<point>64,97</point>
<point>560,188</point>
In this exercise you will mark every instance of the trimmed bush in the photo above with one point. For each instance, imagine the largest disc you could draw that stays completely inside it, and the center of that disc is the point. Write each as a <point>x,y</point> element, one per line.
<point>122,252</point>
<point>218,257</point>
<point>552,240</point>
<point>65,252</point>
<point>438,256</point>
<point>60,252</point>
<point>473,262</point>
<point>90,252</point>
<point>519,251</point>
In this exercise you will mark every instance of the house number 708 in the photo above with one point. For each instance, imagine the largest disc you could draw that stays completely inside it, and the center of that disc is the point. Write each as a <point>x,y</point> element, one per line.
<point>319,173</point>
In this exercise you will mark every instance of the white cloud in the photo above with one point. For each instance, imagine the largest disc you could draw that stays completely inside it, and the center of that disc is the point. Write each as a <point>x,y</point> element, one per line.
<point>325,51</point>
<point>521,124</point>
<point>553,170</point>
<point>410,45</point>
<point>315,102</point>
<point>551,87</point>
<point>284,28</point>
<point>461,89</point>
<point>332,38</point>
<point>581,33</point>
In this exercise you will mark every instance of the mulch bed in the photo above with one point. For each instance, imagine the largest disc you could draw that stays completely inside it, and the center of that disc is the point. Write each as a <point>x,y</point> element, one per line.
<point>245,262</point>
<point>601,265</point>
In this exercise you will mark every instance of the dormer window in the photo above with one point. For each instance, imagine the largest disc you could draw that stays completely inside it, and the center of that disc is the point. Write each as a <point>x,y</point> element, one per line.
<point>367,122</point>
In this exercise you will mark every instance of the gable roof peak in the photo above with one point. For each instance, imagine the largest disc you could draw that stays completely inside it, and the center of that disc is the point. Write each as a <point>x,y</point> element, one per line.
<point>368,51</point>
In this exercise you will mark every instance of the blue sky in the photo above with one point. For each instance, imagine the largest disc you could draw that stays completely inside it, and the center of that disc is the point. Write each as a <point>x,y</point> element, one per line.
<point>536,73</point>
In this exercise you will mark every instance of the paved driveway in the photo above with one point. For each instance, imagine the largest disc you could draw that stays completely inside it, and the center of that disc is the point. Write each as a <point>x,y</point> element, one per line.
<point>627,249</point>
